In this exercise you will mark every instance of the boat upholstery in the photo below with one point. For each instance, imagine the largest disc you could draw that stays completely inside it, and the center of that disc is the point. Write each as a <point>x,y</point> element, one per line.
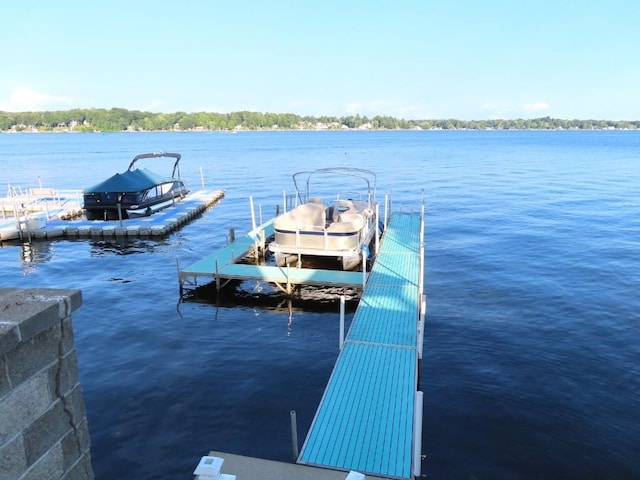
<point>348,222</point>
<point>309,216</point>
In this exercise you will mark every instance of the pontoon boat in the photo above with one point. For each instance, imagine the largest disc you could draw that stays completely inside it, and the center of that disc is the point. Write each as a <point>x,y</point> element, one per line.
<point>134,193</point>
<point>341,227</point>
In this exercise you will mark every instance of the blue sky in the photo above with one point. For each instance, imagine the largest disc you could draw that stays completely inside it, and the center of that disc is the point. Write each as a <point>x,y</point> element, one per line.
<point>412,59</point>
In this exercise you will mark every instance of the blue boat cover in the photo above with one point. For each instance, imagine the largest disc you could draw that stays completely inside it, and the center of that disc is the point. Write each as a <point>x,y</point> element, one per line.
<point>129,181</point>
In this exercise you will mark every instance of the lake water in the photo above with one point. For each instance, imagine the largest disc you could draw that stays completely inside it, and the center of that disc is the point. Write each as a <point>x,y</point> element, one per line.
<point>531,365</point>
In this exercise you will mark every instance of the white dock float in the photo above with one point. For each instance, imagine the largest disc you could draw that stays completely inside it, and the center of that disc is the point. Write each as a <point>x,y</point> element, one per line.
<point>56,225</point>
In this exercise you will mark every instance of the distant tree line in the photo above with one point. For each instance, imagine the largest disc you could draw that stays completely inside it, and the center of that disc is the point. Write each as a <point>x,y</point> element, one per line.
<point>120,119</point>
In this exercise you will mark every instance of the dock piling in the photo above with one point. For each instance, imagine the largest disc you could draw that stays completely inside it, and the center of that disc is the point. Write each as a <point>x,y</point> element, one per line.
<point>342,309</point>
<point>294,435</point>
<point>253,214</point>
<point>417,434</point>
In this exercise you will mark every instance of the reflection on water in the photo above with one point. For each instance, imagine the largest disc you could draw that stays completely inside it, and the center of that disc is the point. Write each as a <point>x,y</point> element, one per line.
<point>125,246</point>
<point>34,253</point>
<point>307,298</point>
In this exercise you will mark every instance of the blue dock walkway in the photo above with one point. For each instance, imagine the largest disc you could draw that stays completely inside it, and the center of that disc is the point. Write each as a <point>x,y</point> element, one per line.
<point>221,266</point>
<point>369,419</point>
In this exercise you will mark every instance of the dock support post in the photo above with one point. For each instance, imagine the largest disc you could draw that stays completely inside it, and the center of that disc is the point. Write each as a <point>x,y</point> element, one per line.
<point>377,220</point>
<point>421,271</point>
<point>179,275</point>
<point>119,205</point>
<point>294,435</point>
<point>386,211</point>
<point>364,270</point>
<point>423,314</point>
<point>342,309</point>
<point>417,434</point>
<point>217,278</point>
<point>253,214</point>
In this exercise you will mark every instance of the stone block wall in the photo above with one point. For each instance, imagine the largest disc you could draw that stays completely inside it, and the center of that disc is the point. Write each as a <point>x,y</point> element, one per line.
<point>43,424</point>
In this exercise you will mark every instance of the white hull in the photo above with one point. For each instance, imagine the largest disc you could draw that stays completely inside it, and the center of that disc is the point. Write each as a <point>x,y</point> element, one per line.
<point>150,210</point>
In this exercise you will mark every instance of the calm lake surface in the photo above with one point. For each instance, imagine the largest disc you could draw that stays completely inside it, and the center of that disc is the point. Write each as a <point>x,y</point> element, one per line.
<point>531,365</point>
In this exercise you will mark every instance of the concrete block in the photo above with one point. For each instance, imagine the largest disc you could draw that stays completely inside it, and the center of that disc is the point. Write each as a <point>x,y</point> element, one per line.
<point>45,433</point>
<point>48,466</point>
<point>81,470</point>
<point>74,299</point>
<point>35,310</point>
<point>34,355</point>
<point>9,336</point>
<point>74,403</point>
<point>12,459</point>
<point>5,385</point>
<point>37,317</point>
<point>75,445</point>
<point>24,406</point>
<point>66,377</point>
<point>7,292</point>
<point>68,343</point>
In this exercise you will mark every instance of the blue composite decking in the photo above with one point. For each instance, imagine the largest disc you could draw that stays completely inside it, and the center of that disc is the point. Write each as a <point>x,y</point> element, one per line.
<point>365,420</point>
<point>222,263</point>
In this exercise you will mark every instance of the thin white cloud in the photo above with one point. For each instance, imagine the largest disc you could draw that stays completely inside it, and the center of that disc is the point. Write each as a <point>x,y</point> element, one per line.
<point>536,107</point>
<point>25,99</point>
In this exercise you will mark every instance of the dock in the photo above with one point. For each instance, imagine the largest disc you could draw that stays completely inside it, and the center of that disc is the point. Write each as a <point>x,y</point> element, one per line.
<point>53,221</point>
<point>223,265</point>
<point>370,417</point>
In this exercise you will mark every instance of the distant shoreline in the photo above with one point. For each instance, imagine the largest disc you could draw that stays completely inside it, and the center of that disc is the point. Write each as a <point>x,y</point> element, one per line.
<point>121,120</point>
<point>72,132</point>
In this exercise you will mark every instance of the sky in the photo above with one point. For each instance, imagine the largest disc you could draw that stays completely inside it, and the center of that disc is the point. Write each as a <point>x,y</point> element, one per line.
<point>410,59</point>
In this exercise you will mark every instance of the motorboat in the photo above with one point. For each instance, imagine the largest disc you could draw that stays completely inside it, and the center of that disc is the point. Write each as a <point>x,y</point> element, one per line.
<point>341,226</point>
<point>136,192</point>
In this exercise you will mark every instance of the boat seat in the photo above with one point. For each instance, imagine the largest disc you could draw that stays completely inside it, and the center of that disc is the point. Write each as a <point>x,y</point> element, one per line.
<point>309,216</point>
<point>348,222</point>
<point>342,207</point>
